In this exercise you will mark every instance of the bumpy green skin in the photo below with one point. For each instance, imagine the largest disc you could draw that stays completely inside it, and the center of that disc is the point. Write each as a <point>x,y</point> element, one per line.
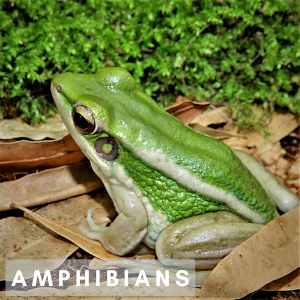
<point>166,195</point>
<point>125,112</point>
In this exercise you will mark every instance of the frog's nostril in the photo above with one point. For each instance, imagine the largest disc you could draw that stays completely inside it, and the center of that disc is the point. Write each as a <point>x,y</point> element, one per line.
<point>59,88</point>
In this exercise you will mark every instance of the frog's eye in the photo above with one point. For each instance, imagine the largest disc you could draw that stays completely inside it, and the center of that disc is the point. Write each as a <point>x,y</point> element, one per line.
<point>107,148</point>
<point>83,119</point>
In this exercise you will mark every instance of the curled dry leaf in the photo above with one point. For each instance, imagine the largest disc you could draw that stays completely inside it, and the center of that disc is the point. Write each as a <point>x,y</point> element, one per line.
<point>28,155</point>
<point>217,134</point>
<point>215,116</point>
<point>53,128</point>
<point>281,125</point>
<point>258,260</point>
<point>187,110</point>
<point>50,185</point>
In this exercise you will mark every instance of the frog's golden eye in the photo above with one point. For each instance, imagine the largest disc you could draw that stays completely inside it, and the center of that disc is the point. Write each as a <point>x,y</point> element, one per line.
<point>107,148</point>
<point>83,119</point>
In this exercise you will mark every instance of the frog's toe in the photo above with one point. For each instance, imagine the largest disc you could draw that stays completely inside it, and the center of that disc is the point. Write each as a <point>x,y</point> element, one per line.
<point>94,235</point>
<point>92,224</point>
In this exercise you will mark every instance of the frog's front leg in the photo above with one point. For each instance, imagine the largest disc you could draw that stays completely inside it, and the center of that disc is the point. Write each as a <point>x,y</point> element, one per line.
<point>207,238</point>
<point>127,230</point>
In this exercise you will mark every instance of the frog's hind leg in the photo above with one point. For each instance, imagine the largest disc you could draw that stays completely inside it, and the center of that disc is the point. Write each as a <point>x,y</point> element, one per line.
<point>284,198</point>
<point>207,238</point>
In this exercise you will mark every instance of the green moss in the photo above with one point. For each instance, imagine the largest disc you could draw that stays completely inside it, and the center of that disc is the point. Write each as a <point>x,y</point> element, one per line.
<point>234,51</point>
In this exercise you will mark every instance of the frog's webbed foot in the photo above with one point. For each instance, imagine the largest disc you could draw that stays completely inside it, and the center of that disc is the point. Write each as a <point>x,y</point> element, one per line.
<point>150,266</point>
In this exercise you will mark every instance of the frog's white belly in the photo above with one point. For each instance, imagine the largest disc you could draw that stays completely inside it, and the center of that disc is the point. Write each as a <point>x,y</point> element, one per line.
<point>120,186</point>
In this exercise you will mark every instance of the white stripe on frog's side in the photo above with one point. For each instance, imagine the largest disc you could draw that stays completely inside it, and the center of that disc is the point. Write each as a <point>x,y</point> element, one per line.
<point>159,160</point>
<point>119,179</point>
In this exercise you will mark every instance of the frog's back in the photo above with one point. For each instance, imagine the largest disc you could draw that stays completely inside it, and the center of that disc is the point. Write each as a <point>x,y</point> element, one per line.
<point>197,167</point>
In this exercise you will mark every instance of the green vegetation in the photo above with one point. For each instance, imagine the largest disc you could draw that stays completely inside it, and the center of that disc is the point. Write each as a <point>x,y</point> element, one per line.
<point>224,50</point>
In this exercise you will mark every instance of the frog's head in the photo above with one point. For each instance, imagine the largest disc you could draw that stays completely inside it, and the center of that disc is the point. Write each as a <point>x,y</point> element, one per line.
<point>104,110</point>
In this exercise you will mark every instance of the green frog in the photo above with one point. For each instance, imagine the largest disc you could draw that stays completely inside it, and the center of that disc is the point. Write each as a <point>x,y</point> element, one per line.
<point>181,192</point>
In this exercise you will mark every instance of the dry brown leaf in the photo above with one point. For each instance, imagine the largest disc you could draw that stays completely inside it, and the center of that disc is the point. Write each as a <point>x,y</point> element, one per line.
<point>73,234</point>
<point>214,116</point>
<point>53,128</point>
<point>254,139</point>
<point>238,143</point>
<point>218,134</point>
<point>28,155</point>
<point>187,110</point>
<point>294,185</point>
<point>74,210</point>
<point>289,282</point>
<point>271,154</point>
<point>50,185</point>
<point>265,150</point>
<point>257,261</point>
<point>268,152</point>
<point>282,166</point>
<point>22,238</point>
<point>17,151</point>
<point>281,125</point>
<point>25,238</point>
<point>60,159</point>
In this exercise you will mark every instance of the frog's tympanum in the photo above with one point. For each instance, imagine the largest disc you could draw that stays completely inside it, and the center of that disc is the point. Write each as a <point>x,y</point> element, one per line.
<point>181,192</point>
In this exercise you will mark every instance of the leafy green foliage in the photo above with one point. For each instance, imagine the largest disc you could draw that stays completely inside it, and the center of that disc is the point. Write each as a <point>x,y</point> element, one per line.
<point>221,50</point>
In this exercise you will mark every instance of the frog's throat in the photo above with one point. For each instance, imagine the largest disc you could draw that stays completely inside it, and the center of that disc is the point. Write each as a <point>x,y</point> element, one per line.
<point>159,160</point>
